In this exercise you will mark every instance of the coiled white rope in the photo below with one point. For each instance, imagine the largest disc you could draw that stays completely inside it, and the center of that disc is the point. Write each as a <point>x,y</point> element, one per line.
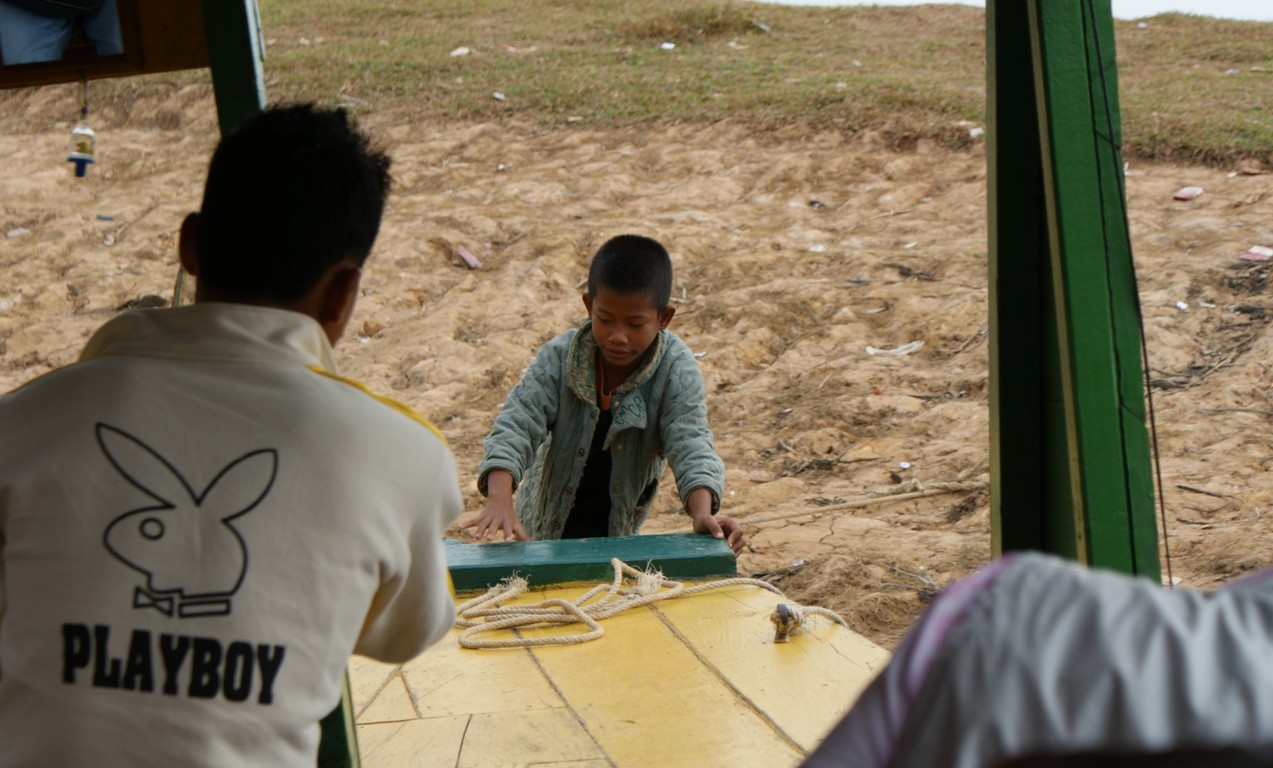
<point>487,612</point>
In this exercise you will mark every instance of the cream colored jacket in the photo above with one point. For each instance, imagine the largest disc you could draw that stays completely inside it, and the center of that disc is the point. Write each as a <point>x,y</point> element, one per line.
<point>199,523</point>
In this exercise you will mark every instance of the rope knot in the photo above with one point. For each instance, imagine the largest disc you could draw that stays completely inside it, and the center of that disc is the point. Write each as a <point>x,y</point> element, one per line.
<point>788,619</point>
<point>649,582</point>
<point>785,620</point>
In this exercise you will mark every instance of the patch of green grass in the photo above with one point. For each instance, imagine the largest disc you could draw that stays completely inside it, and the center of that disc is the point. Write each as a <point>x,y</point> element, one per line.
<point>689,25</point>
<point>905,73</point>
<point>1197,89</point>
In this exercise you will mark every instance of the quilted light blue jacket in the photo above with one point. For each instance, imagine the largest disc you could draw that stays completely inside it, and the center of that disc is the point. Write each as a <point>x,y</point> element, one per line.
<point>544,430</point>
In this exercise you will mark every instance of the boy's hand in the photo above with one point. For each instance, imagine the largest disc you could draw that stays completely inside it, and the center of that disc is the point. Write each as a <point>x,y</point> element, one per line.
<point>721,527</point>
<point>497,517</point>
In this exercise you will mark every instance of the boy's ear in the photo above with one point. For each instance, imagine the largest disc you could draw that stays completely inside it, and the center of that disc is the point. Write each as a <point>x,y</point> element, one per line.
<point>587,302</point>
<point>186,244</point>
<point>338,299</point>
<point>665,316</point>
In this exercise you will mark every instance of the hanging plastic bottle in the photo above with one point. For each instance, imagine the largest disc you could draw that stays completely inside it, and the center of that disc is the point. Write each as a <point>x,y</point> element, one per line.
<point>83,144</point>
<point>83,140</point>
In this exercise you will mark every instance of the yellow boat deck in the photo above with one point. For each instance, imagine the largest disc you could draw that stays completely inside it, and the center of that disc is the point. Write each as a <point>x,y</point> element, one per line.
<point>690,681</point>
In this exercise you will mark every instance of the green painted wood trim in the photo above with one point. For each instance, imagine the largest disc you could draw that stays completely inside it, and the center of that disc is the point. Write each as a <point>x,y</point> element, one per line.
<point>235,54</point>
<point>475,567</point>
<point>1093,285</point>
<point>1030,495</point>
<point>338,745</point>
<point>1019,286</point>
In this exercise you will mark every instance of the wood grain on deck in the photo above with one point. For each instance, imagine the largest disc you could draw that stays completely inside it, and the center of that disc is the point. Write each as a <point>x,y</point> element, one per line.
<point>693,681</point>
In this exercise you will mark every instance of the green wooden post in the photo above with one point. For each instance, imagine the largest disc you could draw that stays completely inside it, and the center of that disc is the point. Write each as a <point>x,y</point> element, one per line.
<point>235,53</point>
<point>1070,451</point>
<point>338,747</point>
<point>1022,333</point>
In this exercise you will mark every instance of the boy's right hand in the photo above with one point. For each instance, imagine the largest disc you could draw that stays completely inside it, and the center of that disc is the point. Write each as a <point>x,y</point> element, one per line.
<point>498,516</point>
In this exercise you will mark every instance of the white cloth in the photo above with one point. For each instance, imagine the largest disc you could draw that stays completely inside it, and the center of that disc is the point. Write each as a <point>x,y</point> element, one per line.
<point>199,522</point>
<point>1050,657</point>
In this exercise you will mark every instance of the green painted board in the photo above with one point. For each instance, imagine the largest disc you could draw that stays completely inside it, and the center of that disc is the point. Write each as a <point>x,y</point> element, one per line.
<point>476,567</point>
<point>233,30</point>
<point>1022,330</point>
<point>1094,285</point>
<point>1070,459</point>
<point>338,747</point>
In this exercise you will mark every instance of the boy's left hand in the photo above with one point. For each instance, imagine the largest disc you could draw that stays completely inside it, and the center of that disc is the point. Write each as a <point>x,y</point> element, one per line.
<point>721,527</point>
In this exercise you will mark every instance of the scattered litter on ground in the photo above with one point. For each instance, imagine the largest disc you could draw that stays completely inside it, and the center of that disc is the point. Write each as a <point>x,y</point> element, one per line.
<point>469,259</point>
<point>463,50</point>
<point>1257,253</point>
<point>905,349</point>
<point>499,96</point>
<point>668,46</point>
<point>1187,193</point>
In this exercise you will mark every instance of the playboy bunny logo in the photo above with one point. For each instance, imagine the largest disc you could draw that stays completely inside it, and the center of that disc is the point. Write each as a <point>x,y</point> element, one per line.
<point>186,544</point>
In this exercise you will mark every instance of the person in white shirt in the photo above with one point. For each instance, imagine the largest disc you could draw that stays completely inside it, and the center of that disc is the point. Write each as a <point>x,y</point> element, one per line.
<point>1038,660</point>
<point>201,520</point>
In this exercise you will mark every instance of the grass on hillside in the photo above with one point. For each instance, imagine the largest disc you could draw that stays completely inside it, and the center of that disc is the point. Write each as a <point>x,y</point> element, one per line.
<point>906,73</point>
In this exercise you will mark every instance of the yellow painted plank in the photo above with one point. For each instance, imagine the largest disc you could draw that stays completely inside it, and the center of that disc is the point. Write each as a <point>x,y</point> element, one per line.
<point>430,743</point>
<point>537,737</point>
<point>648,700</point>
<point>366,678</point>
<point>690,682</point>
<point>448,680</point>
<point>804,686</point>
<point>391,704</point>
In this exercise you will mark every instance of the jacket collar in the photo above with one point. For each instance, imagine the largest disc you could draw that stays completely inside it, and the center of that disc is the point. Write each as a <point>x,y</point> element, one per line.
<point>581,364</point>
<point>216,333</point>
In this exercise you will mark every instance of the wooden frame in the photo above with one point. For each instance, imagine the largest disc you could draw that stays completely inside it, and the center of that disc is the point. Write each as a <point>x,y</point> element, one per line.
<point>168,36</point>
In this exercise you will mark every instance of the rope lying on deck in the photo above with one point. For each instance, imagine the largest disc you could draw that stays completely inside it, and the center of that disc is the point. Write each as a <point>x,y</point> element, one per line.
<point>911,490</point>
<point>485,613</point>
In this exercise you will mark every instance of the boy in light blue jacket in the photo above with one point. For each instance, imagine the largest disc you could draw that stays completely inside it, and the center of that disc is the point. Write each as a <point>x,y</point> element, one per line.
<point>585,435</point>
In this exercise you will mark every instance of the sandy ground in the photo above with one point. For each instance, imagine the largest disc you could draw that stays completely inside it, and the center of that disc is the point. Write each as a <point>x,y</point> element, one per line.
<point>794,253</point>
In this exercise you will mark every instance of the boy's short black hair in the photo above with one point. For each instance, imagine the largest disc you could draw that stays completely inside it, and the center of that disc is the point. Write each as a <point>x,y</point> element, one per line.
<point>289,194</point>
<point>632,264</point>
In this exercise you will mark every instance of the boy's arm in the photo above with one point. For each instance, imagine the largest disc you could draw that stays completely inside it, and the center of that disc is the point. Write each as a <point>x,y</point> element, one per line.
<point>414,606</point>
<point>686,436</point>
<point>522,425</point>
<point>699,504</point>
<point>526,417</point>
<point>498,516</point>
<point>690,450</point>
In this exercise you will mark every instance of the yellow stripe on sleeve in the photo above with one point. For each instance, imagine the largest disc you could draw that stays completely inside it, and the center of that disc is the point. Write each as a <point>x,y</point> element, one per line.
<point>405,410</point>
